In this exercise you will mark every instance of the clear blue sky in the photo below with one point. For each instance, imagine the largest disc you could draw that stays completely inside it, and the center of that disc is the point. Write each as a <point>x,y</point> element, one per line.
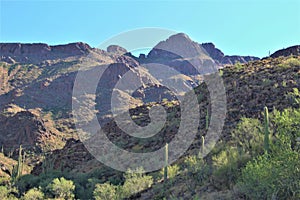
<point>236,27</point>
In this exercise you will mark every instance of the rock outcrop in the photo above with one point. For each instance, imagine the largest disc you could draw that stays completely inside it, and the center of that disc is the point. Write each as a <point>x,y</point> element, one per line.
<point>38,52</point>
<point>248,91</point>
<point>116,49</point>
<point>293,50</point>
<point>223,59</point>
<point>24,128</point>
<point>214,52</point>
<point>182,54</point>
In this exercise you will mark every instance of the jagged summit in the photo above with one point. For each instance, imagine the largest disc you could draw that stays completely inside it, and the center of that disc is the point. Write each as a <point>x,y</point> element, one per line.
<point>220,58</point>
<point>176,46</point>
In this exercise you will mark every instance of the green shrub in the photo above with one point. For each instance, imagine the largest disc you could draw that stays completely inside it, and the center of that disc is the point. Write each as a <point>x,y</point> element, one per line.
<point>197,169</point>
<point>106,191</point>
<point>173,170</point>
<point>5,193</point>
<point>27,182</point>
<point>274,176</point>
<point>238,66</point>
<point>135,181</point>
<point>33,194</point>
<point>227,165</point>
<point>62,188</point>
<point>294,98</point>
<point>287,128</point>
<point>248,136</point>
<point>290,62</point>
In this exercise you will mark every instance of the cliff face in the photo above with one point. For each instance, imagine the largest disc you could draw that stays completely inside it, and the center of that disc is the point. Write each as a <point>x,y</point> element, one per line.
<point>35,53</point>
<point>223,59</point>
<point>26,129</point>
<point>214,52</point>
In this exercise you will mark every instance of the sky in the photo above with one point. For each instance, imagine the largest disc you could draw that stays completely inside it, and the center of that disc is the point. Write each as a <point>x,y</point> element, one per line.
<point>236,27</point>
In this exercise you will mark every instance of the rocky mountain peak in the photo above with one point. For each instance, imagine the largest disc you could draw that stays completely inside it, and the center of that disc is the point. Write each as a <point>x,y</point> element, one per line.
<point>116,49</point>
<point>176,46</point>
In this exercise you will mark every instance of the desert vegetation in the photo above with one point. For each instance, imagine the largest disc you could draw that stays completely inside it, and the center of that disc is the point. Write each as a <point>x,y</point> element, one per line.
<point>257,156</point>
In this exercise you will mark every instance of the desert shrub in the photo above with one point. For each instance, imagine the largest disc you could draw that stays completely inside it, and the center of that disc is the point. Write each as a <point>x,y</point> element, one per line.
<point>227,166</point>
<point>62,188</point>
<point>290,62</point>
<point>5,193</point>
<point>294,97</point>
<point>33,194</point>
<point>85,189</point>
<point>238,66</point>
<point>27,182</point>
<point>248,136</point>
<point>274,176</point>
<point>135,181</point>
<point>4,180</point>
<point>197,169</point>
<point>287,128</point>
<point>173,170</point>
<point>106,191</point>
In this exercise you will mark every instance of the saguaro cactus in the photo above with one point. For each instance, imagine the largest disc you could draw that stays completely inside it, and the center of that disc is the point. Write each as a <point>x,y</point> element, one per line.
<point>20,163</point>
<point>166,163</point>
<point>207,120</point>
<point>17,170</point>
<point>202,144</point>
<point>266,130</point>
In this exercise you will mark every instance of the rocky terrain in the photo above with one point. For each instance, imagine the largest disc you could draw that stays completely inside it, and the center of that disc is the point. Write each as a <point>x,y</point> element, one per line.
<point>248,89</point>
<point>36,97</point>
<point>294,50</point>
<point>223,59</point>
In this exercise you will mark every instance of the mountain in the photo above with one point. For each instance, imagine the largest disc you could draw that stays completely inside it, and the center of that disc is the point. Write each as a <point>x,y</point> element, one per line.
<point>39,76</point>
<point>223,59</point>
<point>38,52</point>
<point>182,54</point>
<point>290,51</point>
<point>178,50</point>
<point>37,83</point>
<point>248,88</point>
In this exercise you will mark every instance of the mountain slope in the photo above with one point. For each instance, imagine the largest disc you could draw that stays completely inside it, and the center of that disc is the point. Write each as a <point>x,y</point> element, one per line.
<point>223,59</point>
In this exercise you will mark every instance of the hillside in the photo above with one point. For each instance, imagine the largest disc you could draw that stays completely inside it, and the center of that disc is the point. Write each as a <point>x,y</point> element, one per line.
<point>249,88</point>
<point>36,99</point>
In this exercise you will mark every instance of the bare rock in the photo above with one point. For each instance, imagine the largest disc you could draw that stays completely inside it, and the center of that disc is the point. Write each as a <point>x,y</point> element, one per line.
<point>116,49</point>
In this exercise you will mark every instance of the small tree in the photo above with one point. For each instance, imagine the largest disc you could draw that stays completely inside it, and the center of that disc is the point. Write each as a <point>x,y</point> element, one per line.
<point>33,194</point>
<point>248,136</point>
<point>135,181</point>
<point>62,188</point>
<point>4,192</point>
<point>106,191</point>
